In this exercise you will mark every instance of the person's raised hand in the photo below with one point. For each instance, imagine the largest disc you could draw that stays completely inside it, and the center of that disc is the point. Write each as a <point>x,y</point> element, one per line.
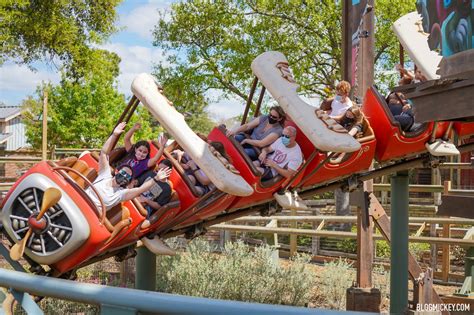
<point>119,128</point>
<point>162,141</point>
<point>163,173</point>
<point>137,126</point>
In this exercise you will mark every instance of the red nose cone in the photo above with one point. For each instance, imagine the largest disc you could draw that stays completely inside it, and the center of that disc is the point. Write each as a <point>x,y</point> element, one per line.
<point>36,225</point>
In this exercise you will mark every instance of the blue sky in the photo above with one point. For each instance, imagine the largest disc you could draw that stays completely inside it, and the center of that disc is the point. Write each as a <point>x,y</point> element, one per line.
<point>134,46</point>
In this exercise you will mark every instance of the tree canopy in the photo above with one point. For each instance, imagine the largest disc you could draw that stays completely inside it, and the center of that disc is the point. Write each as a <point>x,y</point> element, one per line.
<point>83,112</point>
<point>211,44</point>
<point>32,30</point>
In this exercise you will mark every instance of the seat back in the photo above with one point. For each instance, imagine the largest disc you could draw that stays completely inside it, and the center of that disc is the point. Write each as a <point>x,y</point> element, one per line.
<point>80,166</point>
<point>240,149</point>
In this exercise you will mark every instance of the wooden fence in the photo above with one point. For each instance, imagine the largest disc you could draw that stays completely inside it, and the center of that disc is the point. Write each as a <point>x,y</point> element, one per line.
<point>441,233</point>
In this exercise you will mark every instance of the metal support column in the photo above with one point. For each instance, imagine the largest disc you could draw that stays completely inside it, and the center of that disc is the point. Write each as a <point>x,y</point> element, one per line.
<point>145,270</point>
<point>399,244</point>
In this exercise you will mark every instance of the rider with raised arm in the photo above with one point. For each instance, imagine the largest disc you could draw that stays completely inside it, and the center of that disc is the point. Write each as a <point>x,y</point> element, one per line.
<point>138,154</point>
<point>112,189</point>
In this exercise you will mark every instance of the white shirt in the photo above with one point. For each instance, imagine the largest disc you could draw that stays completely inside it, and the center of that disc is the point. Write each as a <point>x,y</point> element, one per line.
<point>109,194</point>
<point>283,156</point>
<point>339,108</point>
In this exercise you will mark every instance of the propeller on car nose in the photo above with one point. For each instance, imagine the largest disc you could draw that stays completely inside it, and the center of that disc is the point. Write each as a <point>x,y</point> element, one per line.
<point>51,197</point>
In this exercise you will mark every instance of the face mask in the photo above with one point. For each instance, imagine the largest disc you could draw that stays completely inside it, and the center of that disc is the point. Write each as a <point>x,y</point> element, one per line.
<point>123,178</point>
<point>285,141</point>
<point>338,98</point>
<point>271,121</point>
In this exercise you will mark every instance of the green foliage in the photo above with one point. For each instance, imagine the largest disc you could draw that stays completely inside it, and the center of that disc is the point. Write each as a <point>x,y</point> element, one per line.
<point>335,278</point>
<point>82,112</point>
<point>212,43</point>
<point>34,30</point>
<point>382,249</point>
<point>240,273</point>
<point>348,245</point>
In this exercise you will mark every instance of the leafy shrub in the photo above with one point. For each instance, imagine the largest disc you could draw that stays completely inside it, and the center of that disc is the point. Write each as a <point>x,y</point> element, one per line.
<point>240,273</point>
<point>459,254</point>
<point>417,249</point>
<point>335,278</point>
<point>348,245</point>
<point>382,249</point>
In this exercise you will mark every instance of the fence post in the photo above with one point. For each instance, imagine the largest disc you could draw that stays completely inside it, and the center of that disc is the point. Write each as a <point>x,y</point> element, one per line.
<point>399,244</point>
<point>446,261</point>
<point>433,249</point>
<point>314,242</point>
<point>53,153</point>
<point>436,180</point>
<point>293,238</point>
<point>44,139</point>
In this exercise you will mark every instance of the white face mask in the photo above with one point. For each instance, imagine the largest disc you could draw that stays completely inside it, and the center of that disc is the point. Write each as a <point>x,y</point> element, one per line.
<point>338,98</point>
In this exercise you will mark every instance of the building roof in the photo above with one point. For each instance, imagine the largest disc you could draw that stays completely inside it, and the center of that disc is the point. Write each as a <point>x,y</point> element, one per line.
<point>9,112</point>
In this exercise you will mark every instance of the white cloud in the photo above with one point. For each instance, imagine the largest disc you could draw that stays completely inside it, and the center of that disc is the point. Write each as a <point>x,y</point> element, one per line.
<point>15,77</point>
<point>134,60</point>
<point>16,82</point>
<point>225,109</point>
<point>143,19</point>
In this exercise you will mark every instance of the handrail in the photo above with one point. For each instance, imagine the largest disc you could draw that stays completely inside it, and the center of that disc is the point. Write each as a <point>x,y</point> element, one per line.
<point>129,301</point>
<point>103,219</point>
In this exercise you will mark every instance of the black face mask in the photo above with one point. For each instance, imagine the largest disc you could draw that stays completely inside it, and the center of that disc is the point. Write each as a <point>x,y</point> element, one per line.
<point>272,121</point>
<point>122,180</point>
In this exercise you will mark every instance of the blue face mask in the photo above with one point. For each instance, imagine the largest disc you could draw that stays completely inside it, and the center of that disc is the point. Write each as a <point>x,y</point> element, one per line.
<point>285,141</point>
<point>338,98</point>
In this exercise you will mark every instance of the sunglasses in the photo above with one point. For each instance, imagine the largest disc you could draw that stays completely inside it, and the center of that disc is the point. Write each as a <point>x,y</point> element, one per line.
<point>126,175</point>
<point>273,117</point>
<point>285,136</point>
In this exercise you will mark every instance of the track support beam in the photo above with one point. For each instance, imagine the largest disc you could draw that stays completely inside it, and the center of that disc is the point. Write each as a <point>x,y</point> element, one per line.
<point>145,278</point>
<point>399,245</point>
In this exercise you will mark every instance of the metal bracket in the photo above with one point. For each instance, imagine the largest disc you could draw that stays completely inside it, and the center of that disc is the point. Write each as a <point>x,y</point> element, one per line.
<point>374,211</point>
<point>195,231</point>
<point>353,183</point>
<point>269,211</point>
<point>434,162</point>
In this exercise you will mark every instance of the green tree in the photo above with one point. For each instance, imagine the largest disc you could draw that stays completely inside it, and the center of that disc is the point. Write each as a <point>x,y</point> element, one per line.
<point>211,44</point>
<point>83,112</point>
<point>32,30</point>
